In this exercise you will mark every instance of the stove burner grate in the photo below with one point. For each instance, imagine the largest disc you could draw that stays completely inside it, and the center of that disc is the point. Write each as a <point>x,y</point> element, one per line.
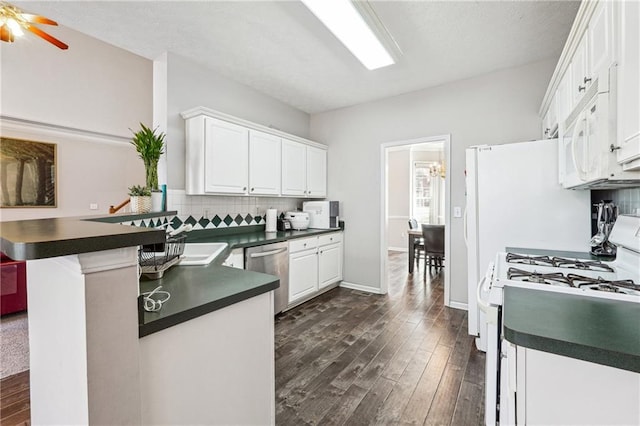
<point>602,284</point>
<point>587,265</point>
<point>529,260</point>
<point>556,278</point>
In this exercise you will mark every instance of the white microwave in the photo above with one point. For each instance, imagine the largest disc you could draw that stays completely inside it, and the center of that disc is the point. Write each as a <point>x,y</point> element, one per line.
<point>587,144</point>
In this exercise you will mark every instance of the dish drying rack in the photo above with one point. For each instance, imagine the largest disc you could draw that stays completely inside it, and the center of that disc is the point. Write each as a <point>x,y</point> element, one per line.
<point>155,259</point>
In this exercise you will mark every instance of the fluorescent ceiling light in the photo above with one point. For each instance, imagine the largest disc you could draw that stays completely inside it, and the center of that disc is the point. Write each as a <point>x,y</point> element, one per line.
<point>344,21</point>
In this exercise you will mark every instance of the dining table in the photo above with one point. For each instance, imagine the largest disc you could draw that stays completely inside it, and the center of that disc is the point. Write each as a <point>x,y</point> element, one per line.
<point>414,235</point>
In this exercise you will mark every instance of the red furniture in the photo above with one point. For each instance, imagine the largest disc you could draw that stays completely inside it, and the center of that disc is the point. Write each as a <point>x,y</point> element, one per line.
<point>13,285</point>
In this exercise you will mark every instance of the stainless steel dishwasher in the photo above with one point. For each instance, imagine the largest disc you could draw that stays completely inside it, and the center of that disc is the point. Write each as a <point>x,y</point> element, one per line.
<point>272,259</point>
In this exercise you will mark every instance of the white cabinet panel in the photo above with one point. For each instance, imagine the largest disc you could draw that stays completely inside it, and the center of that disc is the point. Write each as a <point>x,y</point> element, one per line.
<point>579,72</point>
<point>629,83</point>
<point>226,153</point>
<point>264,163</point>
<point>294,170</point>
<point>303,274</point>
<point>316,172</point>
<point>600,40</point>
<point>329,264</point>
<point>563,98</point>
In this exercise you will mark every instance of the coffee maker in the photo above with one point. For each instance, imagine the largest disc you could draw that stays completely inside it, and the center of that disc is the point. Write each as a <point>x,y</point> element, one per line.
<point>607,213</point>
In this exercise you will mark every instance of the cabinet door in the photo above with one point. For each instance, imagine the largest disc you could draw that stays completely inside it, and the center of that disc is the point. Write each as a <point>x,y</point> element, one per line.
<point>226,157</point>
<point>264,164</point>
<point>303,274</point>
<point>294,168</point>
<point>316,172</point>
<point>629,83</point>
<point>329,264</point>
<point>600,44</point>
<point>579,71</point>
<point>564,103</point>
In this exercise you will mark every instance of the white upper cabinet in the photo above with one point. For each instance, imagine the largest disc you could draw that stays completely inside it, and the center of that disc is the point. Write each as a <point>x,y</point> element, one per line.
<point>600,44</point>
<point>228,155</point>
<point>316,172</point>
<point>629,86</point>
<point>294,168</point>
<point>579,72</point>
<point>563,98</point>
<point>304,170</point>
<point>264,163</point>
<point>226,152</point>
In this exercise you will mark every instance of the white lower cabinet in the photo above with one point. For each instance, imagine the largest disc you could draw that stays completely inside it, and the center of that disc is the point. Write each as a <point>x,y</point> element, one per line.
<point>554,389</point>
<point>314,264</point>
<point>303,274</point>
<point>235,259</point>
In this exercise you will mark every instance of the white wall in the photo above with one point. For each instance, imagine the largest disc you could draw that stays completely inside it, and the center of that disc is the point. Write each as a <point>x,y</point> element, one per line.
<point>92,86</point>
<point>190,85</point>
<point>399,181</point>
<point>490,109</point>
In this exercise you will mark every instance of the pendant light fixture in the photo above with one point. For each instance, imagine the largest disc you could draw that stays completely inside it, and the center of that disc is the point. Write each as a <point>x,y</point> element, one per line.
<point>13,23</point>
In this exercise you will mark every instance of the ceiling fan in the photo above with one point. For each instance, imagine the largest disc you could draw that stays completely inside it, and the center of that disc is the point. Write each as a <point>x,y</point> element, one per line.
<point>13,21</point>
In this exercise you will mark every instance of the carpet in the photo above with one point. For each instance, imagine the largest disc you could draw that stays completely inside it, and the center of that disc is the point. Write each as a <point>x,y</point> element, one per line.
<point>14,344</point>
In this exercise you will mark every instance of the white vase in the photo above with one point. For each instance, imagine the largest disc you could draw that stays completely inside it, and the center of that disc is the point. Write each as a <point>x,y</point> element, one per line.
<point>140,204</point>
<point>156,201</point>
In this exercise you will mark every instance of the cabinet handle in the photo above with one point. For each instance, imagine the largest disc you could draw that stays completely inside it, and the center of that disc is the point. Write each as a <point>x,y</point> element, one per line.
<point>582,88</point>
<point>331,239</point>
<point>304,245</point>
<point>253,189</point>
<point>586,80</point>
<point>244,188</point>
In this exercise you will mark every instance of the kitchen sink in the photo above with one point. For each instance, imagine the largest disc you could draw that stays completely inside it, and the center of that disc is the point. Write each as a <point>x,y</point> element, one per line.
<point>201,253</point>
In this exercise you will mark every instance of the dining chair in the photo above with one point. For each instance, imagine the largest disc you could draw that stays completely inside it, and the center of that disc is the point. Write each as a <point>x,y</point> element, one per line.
<point>419,242</point>
<point>433,236</point>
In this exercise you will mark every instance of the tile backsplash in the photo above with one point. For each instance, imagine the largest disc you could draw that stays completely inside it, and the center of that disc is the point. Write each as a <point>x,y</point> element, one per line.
<point>627,199</point>
<point>212,211</point>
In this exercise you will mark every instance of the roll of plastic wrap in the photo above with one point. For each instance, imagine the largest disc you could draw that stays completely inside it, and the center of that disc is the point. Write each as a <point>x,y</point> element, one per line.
<point>271,216</point>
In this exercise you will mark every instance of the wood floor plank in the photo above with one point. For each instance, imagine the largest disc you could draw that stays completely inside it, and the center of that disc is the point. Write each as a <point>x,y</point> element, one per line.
<point>342,411</point>
<point>469,406</point>
<point>444,401</point>
<point>420,402</point>
<point>366,412</point>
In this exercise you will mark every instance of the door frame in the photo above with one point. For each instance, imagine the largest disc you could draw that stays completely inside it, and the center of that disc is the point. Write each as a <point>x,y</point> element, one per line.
<point>446,140</point>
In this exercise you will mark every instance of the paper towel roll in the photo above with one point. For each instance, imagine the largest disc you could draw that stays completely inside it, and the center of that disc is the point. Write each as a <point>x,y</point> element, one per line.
<point>271,216</point>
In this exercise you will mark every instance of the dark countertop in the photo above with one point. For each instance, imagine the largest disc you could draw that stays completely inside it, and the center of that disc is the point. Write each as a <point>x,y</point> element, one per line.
<point>43,238</point>
<point>256,237</point>
<point>198,290</point>
<point>593,329</point>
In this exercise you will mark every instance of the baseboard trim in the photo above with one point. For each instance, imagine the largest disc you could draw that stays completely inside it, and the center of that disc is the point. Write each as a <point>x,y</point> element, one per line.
<point>402,249</point>
<point>458,305</point>
<point>360,287</point>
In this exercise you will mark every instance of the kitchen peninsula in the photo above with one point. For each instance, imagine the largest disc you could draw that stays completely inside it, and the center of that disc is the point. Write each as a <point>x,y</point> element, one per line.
<point>86,357</point>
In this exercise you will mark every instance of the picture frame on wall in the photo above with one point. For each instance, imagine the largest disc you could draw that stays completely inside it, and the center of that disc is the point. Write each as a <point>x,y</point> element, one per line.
<point>28,173</point>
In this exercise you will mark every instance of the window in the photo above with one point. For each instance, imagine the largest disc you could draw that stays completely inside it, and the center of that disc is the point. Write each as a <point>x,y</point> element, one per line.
<point>426,203</point>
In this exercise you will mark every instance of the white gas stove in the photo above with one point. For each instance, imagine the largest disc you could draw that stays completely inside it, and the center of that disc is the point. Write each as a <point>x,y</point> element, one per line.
<point>617,280</point>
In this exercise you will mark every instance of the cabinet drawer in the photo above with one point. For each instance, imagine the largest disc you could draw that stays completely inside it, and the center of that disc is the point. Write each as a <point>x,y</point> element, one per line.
<point>329,239</point>
<point>303,244</point>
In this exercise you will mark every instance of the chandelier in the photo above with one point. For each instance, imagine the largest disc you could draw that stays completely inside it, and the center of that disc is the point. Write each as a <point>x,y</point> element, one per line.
<point>13,22</point>
<point>437,169</point>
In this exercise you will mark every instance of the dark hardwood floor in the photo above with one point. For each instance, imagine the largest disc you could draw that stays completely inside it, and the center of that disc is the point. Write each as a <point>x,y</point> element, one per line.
<point>354,358</point>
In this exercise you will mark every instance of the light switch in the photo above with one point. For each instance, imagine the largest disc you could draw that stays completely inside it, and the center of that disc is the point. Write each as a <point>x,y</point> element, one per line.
<point>93,206</point>
<point>457,212</point>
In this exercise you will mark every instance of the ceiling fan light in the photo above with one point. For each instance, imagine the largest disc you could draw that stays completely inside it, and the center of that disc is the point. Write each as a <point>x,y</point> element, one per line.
<point>14,26</point>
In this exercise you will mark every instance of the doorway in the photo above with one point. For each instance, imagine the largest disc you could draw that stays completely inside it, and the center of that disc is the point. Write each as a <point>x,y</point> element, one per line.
<point>415,183</point>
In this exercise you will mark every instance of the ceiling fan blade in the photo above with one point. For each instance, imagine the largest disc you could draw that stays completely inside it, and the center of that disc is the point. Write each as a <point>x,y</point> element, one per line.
<point>6,34</point>
<point>37,31</point>
<point>29,17</point>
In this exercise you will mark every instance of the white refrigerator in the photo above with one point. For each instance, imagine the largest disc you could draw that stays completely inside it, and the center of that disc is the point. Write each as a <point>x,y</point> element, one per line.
<point>514,199</point>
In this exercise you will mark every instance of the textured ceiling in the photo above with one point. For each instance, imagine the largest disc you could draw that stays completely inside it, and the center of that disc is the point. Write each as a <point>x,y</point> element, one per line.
<point>279,48</point>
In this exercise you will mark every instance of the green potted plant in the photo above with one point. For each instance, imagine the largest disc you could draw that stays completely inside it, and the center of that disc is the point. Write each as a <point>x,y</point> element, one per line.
<point>140,199</point>
<point>150,146</point>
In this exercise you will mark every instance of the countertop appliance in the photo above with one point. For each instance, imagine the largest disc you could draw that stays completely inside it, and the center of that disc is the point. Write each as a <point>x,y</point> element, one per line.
<point>272,259</point>
<point>322,214</point>
<point>514,200</point>
<point>617,280</point>
<point>606,218</point>
<point>298,220</point>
